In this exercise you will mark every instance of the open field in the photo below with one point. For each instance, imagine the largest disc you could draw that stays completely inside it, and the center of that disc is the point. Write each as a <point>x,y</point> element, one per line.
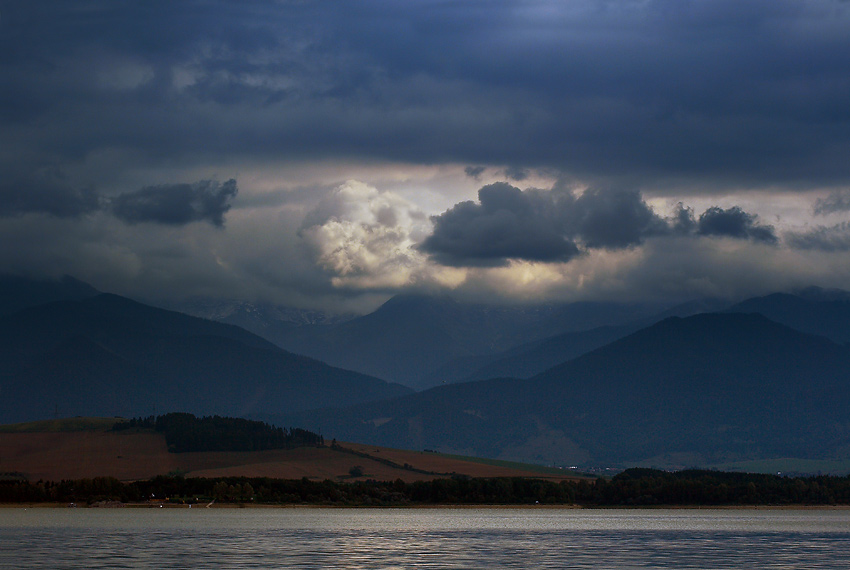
<point>62,454</point>
<point>789,466</point>
<point>61,425</point>
<point>453,464</point>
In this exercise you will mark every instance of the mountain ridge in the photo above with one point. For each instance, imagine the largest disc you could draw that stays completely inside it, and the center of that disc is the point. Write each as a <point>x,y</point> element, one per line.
<point>111,355</point>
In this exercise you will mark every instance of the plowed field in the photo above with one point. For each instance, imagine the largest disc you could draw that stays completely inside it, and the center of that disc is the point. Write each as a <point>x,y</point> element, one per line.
<point>129,456</point>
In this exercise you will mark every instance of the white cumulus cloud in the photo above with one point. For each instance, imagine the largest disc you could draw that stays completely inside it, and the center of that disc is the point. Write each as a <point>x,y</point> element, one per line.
<point>364,238</point>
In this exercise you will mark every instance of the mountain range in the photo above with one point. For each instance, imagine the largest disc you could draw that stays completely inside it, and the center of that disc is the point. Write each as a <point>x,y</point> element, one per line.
<point>701,390</point>
<point>423,341</point>
<point>704,383</point>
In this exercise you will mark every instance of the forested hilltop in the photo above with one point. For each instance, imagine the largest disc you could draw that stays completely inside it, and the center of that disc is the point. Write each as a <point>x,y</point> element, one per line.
<point>634,487</point>
<point>184,432</point>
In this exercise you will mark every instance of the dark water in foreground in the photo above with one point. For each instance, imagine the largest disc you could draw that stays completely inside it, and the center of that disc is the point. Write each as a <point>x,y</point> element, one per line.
<point>423,538</point>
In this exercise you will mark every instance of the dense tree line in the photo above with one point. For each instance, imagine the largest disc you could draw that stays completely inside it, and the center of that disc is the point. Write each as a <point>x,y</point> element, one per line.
<point>633,487</point>
<point>185,432</point>
<point>702,487</point>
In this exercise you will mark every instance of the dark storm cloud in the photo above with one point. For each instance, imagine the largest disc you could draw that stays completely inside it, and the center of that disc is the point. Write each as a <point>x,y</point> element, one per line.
<point>683,221</point>
<point>714,93</point>
<point>553,225</point>
<point>507,224</point>
<point>838,201</point>
<point>474,171</point>
<point>708,90</point>
<point>516,173</point>
<point>735,223</point>
<point>822,238</point>
<point>614,219</point>
<point>539,225</point>
<point>177,204</point>
<point>46,192</point>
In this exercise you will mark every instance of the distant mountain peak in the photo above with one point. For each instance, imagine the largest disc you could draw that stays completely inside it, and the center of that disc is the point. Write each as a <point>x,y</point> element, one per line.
<point>824,312</point>
<point>254,315</point>
<point>408,300</point>
<point>814,293</point>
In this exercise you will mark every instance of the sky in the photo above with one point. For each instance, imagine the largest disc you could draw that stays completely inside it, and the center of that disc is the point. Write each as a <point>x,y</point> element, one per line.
<point>329,155</point>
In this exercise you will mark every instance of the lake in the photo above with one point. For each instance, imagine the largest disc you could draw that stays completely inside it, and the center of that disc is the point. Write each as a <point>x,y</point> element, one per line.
<point>470,538</point>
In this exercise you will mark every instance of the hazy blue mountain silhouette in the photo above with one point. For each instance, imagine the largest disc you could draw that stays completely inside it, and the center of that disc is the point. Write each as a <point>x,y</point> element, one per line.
<point>691,391</point>
<point>108,355</point>
<point>532,358</point>
<point>529,360</point>
<point>268,320</point>
<point>411,337</point>
<point>813,310</point>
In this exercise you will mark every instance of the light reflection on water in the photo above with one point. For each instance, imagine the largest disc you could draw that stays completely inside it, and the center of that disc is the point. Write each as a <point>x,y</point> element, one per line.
<point>423,538</point>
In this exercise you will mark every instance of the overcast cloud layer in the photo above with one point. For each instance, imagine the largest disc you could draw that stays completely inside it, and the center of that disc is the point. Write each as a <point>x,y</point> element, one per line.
<point>330,154</point>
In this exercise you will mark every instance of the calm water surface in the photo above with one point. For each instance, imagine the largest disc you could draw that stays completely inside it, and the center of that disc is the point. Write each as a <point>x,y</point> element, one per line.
<point>423,538</point>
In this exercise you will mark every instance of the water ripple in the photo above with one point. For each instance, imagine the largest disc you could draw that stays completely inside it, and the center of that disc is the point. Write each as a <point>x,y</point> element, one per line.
<point>486,539</point>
